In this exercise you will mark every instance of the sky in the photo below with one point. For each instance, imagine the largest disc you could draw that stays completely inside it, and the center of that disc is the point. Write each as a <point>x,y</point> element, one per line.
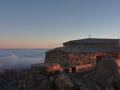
<point>49,23</point>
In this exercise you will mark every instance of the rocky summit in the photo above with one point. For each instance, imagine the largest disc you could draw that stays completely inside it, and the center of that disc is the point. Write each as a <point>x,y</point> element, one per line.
<point>103,76</point>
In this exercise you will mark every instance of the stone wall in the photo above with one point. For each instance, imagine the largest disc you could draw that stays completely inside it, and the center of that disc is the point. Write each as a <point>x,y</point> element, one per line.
<point>42,69</point>
<point>86,58</point>
<point>64,58</point>
<point>57,56</point>
<point>81,58</point>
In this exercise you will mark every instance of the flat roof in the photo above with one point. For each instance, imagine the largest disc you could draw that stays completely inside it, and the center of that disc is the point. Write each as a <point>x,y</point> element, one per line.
<point>95,40</point>
<point>90,49</point>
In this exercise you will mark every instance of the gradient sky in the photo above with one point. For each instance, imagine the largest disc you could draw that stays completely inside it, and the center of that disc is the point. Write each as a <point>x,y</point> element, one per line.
<point>46,23</point>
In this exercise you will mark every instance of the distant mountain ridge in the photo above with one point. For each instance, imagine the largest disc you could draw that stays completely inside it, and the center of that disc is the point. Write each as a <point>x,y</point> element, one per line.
<point>7,76</point>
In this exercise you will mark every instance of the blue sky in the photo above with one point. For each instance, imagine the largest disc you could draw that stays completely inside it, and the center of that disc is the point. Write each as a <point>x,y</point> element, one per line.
<point>41,23</point>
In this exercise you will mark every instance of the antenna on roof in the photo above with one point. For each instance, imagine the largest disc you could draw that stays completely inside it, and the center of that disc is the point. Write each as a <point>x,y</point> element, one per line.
<point>89,35</point>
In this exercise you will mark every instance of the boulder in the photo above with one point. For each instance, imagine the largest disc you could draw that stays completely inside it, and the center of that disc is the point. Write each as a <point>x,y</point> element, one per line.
<point>44,85</point>
<point>106,72</point>
<point>63,82</point>
<point>20,85</point>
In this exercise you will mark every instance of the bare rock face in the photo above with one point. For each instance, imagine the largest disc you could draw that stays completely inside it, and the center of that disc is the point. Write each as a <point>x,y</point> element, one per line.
<point>2,83</point>
<point>9,79</point>
<point>44,85</point>
<point>10,75</point>
<point>106,72</point>
<point>118,64</point>
<point>14,75</point>
<point>63,82</point>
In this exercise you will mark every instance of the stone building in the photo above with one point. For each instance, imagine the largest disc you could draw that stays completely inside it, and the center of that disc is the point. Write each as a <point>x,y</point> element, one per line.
<point>84,51</point>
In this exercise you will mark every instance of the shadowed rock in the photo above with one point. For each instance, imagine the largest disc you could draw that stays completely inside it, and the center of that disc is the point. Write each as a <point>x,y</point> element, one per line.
<point>106,72</point>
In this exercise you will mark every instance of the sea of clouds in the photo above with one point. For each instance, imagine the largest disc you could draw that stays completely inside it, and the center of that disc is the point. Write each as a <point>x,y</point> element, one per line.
<point>21,58</point>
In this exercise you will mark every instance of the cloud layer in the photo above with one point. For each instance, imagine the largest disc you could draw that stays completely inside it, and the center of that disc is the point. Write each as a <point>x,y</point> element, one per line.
<point>20,59</point>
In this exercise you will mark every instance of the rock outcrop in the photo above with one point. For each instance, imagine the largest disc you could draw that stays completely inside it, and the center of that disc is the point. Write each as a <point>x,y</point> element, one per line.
<point>63,82</point>
<point>7,77</point>
<point>14,75</point>
<point>104,76</point>
<point>106,73</point>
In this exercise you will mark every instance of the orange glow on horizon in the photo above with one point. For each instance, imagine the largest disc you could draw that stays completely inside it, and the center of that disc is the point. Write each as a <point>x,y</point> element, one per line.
<point>23,46</point>
<point>27,44</point>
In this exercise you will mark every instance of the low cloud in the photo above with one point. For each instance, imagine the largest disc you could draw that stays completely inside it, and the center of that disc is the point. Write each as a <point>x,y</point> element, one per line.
<point>20,59</point>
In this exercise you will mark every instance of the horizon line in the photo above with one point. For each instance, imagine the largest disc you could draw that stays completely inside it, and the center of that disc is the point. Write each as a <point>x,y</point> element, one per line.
<point>26,48</point>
